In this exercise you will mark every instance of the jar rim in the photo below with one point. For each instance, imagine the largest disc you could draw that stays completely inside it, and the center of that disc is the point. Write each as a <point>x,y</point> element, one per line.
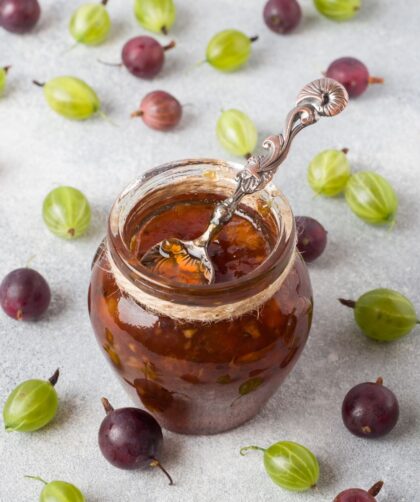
<point>225,292</point>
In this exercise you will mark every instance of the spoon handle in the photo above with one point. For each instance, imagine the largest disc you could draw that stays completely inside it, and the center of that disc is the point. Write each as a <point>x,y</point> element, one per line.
<point>321,98</point>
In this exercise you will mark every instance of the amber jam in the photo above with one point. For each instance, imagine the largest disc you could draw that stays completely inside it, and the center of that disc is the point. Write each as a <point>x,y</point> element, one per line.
<point>242,245</point>
<point>198,376</point>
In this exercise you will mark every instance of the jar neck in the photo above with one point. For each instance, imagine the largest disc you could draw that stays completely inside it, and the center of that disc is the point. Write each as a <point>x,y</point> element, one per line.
<point>204,302</point>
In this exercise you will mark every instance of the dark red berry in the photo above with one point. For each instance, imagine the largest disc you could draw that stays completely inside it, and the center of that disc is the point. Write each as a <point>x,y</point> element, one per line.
<point>370,410</point>
<point>312,237</point>
<point>359,495</point>
<point>130,438</point>
<point>282,16</point>
<point>159,110</point>
<point>19,16</point>
<point>24,294</point>
<point>144,56</point>
<point>353,74</point>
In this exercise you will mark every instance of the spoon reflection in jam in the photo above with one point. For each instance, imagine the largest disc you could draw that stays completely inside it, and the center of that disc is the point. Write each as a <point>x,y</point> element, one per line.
<point>188,261</point>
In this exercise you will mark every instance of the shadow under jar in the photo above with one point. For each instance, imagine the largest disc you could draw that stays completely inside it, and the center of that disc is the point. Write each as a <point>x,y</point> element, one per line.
<point>202,359</point>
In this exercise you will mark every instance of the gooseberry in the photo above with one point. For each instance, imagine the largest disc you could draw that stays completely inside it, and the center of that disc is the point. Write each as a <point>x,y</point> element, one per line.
<point>144,56</point>
<point>19,16</point>
<point>130,438</point>
<point>59,491</point>
<point>228,50</point>
<point>155,15</point>
<point>24,294</point>
<point>159,110</point>
<point>312,237</point>
<point>371,198</point>
<point>359,495</point>
<point>31,405</point>
<point>383,314</point>
<point>290,465</point>
<point>282,16</point>
<point>338,10</point>
<point>90,23</point>
<point>370,410</point>
<point>329,172</point>
<point>352,74</point>
<point>66,212</point>
<point>71,97</point>
<point>237,132</point>
<point>3,78</point>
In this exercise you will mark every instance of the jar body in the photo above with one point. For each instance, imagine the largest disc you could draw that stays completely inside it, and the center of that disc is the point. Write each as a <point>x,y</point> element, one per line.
<point>196,377</point>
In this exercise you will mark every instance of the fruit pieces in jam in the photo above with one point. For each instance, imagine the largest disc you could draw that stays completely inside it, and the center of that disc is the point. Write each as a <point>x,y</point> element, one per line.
<point>238,248</point>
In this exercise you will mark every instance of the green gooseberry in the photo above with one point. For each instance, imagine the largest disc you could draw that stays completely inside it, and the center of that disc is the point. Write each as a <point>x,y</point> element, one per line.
<point>155,15</point>
<point>3,78</point>
<point>59,491</point>
<point>237,132</point>
<point>90,23</point>
<point>228,50</point>
<point>338,10</point>
<point>71,97</point>
<point>329,172</point>
<point>371,198</point>
<point>290,465</point>
<point>66,212</point>
<point>31,405</point>
<point>383,314</point>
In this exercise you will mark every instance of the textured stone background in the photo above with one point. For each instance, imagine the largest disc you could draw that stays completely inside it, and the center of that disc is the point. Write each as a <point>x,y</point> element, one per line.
<point>39,151</point>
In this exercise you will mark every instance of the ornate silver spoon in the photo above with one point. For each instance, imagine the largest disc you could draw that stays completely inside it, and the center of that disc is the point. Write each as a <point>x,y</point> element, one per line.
<point>321,98</point>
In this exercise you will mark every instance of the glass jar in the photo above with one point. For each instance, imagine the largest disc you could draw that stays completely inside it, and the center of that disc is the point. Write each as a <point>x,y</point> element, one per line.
<point>201,359</point>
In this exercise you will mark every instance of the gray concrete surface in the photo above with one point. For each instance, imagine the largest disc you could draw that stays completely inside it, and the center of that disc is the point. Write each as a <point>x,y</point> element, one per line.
<point>39,151</point>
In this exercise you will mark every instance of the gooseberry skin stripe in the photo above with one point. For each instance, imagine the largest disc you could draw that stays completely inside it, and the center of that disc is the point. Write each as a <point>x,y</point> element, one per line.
<point>392,306</point>
<point>338,10</point>
<point>155,15</point>
<point>66,212</point>
<point>328,173</point>
<point>237,132</point>
<point>90,24</point>
<point>305,472</point>
<point>228,50</point>
<point>71,98</point>
<point>371,198</point>
<point>43,401</point>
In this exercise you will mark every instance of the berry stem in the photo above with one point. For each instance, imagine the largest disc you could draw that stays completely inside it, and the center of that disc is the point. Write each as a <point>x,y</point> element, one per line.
<point>247,155</point>
<point>107,405</point>
<point>109,64</point>
<point>345,151</point>
<point>137,113</point>
<point>37,478</point>
<point>244,450</point>
<point>39,84</point>
<point>155,463</point>
<point>164,30</point>
<point>375,80</point>
<point>253,39</point>
<point>53,380</point>
<point>171,45</point>
<point>379,381</point>
<point>104,2</point>
<point>347,303</point>
<point>6,68</point>
<point>376,488</point>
